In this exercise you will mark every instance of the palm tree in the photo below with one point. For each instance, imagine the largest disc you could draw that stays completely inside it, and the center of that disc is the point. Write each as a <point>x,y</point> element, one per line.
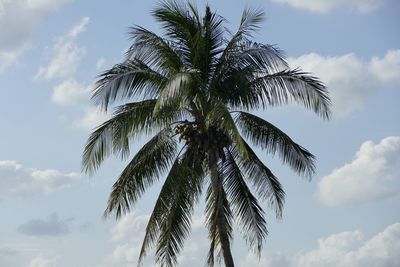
<point>192,90</point>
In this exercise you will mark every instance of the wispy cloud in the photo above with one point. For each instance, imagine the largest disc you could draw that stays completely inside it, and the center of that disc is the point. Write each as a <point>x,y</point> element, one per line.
<point>65,54</point>
<point>324,6</point>
<point>69,92</point>
<point>20,181</point>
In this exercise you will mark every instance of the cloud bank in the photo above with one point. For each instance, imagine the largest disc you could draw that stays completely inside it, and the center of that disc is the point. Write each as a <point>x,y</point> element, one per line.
<point>345,249</point>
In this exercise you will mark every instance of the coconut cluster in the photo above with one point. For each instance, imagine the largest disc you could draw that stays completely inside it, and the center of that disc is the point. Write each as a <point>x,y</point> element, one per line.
<point>202,141</point>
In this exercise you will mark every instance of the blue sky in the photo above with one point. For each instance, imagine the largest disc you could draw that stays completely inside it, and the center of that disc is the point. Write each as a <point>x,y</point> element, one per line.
<point>50,54</point>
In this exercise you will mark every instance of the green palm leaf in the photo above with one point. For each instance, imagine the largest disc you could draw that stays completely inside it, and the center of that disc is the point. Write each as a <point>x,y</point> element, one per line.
<point>265,135</point>
<point>262,178</point>
<point>245,205</point>
<point>221,116</point>
<point>149,163</point>
<point>218,217</point>
<point>150,47</point>
<point>293,85</point>
<point>170,220</point>
<point>180,25</point>
<point>129,120</point>
<point>237,69</point>
<point>175,91</point>
<point>127,80</point>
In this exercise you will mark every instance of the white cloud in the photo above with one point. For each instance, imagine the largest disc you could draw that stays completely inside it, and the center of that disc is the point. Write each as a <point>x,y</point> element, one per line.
<point>65,55</point>
<point>42,262</point>
<point>92,118</point>
<point>131,225</point>
<point>319,6</point>
<point>372,175</point>
<point>330,249</point>
<point>17,180</point>
<point>19,19</point>
<point>351,80</point>
<point>69,92</point>
<point>51,226</point>
<point>387,68</point>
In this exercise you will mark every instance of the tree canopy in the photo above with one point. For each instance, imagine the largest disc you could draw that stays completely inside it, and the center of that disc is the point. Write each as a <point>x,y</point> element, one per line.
<point>193,89</point>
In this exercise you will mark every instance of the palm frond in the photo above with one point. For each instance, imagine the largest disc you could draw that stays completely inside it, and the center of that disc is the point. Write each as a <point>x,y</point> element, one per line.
<point>220,115</point>
<point>154,49</point>
<point>128,121</point>
<point>218,215</point>
<point>265,135</point>
<point>239,43</point>
<point>264,181</point>
<point>208,47</point>
<point>294,85</point>
<point>127,80</point>
<point>219,223</point>
<point>175,91</point>
<point>259,57</point>
<point>250,21</point>
<point>239,65</point>
<point>179,25</point>
<point>170,220</point>
<point>245,205</point>
<point>149,163</point>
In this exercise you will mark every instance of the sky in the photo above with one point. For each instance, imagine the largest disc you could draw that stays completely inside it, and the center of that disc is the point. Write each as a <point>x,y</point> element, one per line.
<point>51,52</point>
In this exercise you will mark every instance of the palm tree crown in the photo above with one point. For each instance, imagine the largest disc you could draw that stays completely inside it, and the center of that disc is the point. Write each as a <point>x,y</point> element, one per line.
<point>196,89</point>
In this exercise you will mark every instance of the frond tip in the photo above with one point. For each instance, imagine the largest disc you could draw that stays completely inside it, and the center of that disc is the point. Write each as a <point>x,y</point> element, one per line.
<point>294,85</point>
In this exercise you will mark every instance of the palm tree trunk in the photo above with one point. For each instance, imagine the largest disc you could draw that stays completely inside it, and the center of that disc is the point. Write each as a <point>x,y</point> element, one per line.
<point>217,187</point>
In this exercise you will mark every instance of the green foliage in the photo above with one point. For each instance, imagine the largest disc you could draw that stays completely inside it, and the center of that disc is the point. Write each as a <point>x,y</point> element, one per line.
<point>193,89</point>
